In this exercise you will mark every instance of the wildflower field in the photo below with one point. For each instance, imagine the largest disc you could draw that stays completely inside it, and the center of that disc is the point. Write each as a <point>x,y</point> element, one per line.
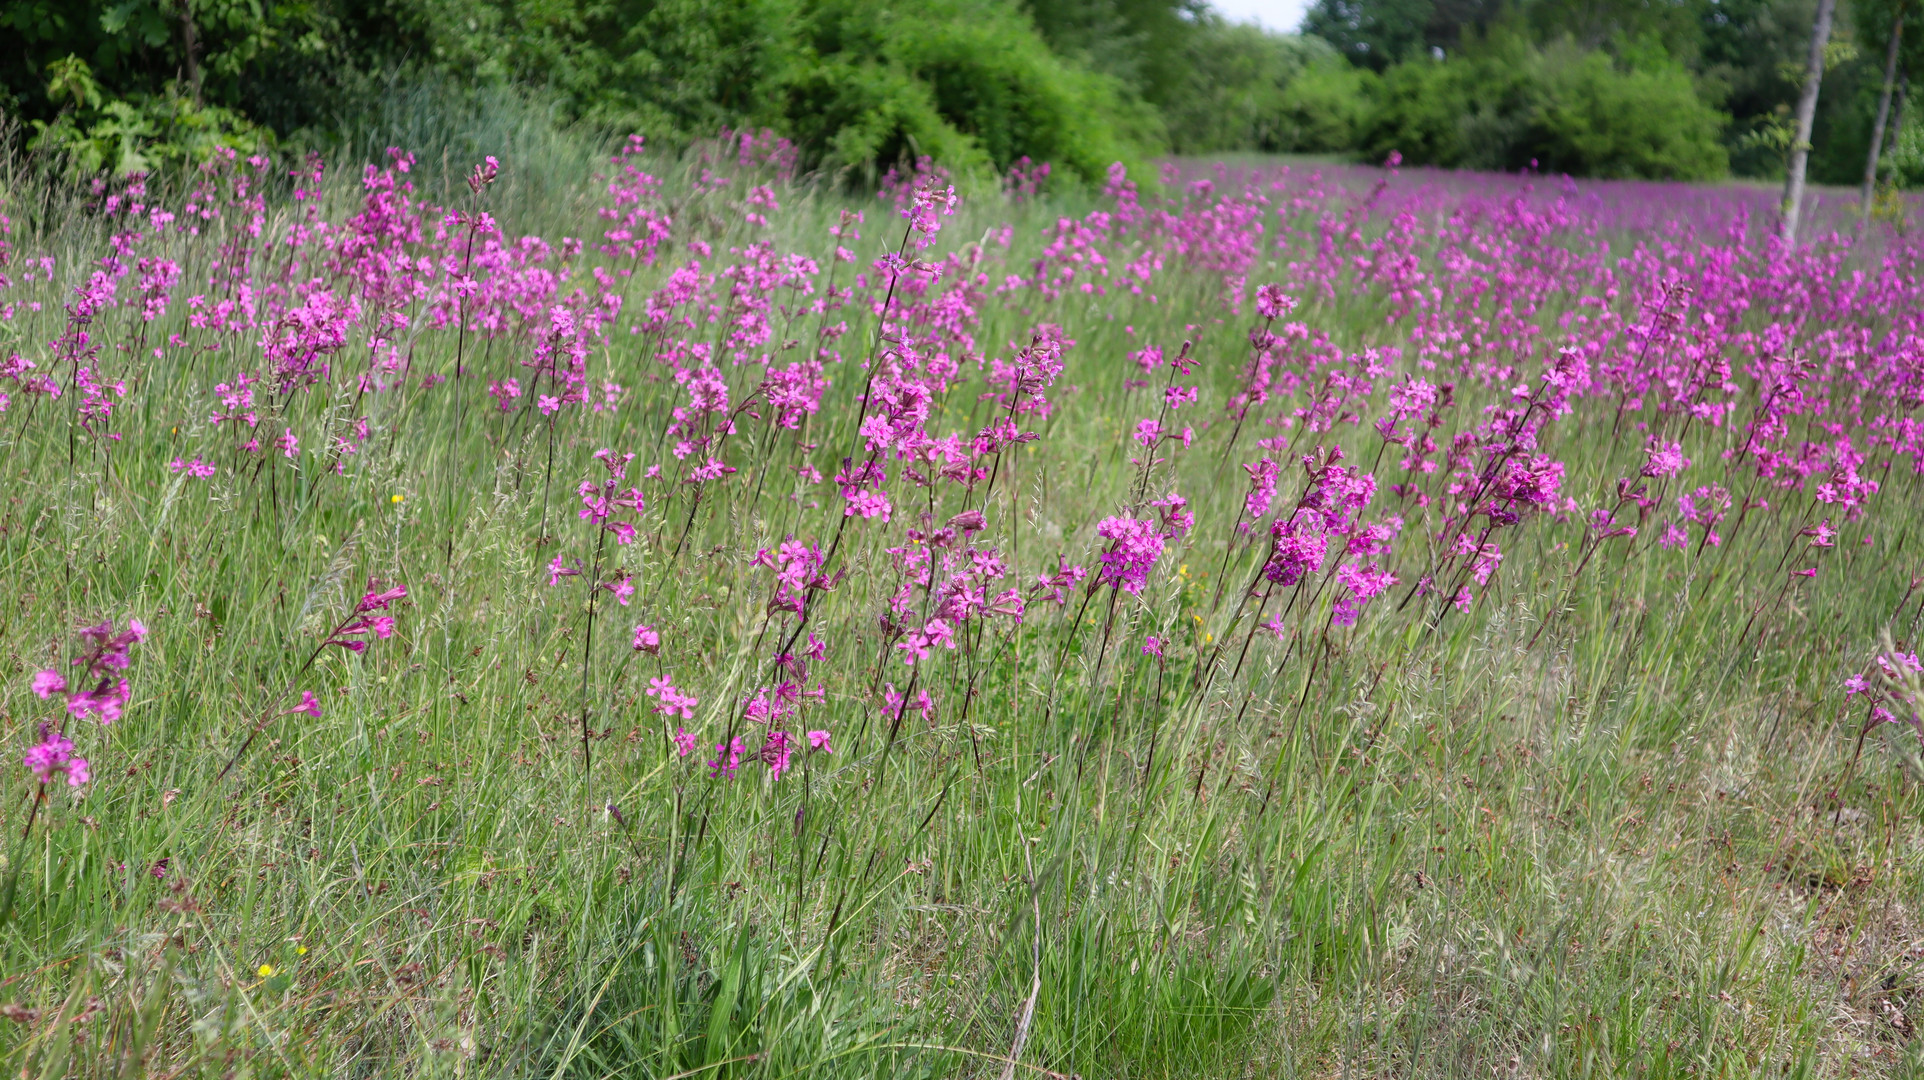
<point>678,621</point>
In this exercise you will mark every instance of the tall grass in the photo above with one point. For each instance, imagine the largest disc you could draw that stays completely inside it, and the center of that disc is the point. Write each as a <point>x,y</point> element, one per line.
<point>1586,827</point>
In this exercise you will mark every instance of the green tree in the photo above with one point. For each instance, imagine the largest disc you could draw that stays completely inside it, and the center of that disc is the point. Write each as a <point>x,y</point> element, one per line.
<point>1372,33</point>
<point>1506,104</point>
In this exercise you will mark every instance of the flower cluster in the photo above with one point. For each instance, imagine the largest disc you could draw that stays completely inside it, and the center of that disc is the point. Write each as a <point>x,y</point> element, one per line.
<point>98,691</point>
<point>369,620</point>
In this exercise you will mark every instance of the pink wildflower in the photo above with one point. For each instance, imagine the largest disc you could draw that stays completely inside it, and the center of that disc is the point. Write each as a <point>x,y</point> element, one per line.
<point>53,757</point>
<point>647,640</point>
<point>48,683</point>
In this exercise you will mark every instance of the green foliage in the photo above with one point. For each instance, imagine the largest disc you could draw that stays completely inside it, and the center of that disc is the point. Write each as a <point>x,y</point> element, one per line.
<point>667,68</point>
<point>1611,88</point>
<point>1472,854</point>
<point>1251,90</point>
<point>1848,108</point>
<point>230,53</point>
<point>1147,45</point>
<point>1372,33</point>
<point>984,70</point>
<point>852,117</point>
<point>1905,157</point>
<point>1743,58</point>
<point>95,132</point>
<point>1508,105</point>
<point>1600,120</point>
<point>859,87</point>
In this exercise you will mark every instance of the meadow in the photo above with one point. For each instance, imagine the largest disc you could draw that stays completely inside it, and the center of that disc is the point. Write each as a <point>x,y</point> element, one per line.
<point>655,616</point>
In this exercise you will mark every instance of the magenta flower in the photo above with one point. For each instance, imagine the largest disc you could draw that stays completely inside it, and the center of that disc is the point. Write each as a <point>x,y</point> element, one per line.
<point>106,649</point>
<point>52,757</point>
<point>1135,546</point>
<point>1272,302</point>
<point>558,570</point>
<point>727,759</point>
<point>374,601</point>
<point>868,504</point>
<point>894,702</point>
<point>916,644</point>
<point>1895,664</point>
<point>48,683</point>
<point>818,740</point>
<point>623,587</point>
<point>1055,587</point>
<point>647,640</point>
<point>670,700</point>
<point>310,705</point>
<point>362,621</point>
<point>922,209</point>
<point>1152,646</point>
<point>1363,584</point>
<point>105,702</point>
<point>776,751</point>
<point>1262,487</point>
<point>684,742</point>
<point>1663,459</point>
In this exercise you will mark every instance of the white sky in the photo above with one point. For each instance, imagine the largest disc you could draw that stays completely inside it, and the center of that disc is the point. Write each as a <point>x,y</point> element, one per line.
<point>1283,15</point>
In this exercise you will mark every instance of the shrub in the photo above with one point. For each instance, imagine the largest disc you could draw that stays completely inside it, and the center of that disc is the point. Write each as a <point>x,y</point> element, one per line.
<point>1597,119</point>
<point>858,86</point>
<point>1508,105</point>
<point>140,133</point>
<point>1231,95</point>
<point>978,65</point>
<point>1323,109</point>
<point>861,87</point>
<point>851,118</point>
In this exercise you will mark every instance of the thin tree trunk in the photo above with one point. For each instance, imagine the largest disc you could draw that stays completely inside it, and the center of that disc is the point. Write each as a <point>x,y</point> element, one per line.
<point>1896,129</point>
<point>1883,116</point>
<point>190,42</point>
<point>1806,117</point>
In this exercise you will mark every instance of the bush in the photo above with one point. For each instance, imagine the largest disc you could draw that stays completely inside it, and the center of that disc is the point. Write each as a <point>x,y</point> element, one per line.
<point>852,118</point>
<point>1600,120</point>
<point>1247,89</point>
<point>139,133</point>
<point>1508,105</point>
<point>1231,96</point>
<point>1323,109</point>
<point>1904,161</point>
<point>860,86</point>
<point>670,69</point>
<point>977,65</point>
